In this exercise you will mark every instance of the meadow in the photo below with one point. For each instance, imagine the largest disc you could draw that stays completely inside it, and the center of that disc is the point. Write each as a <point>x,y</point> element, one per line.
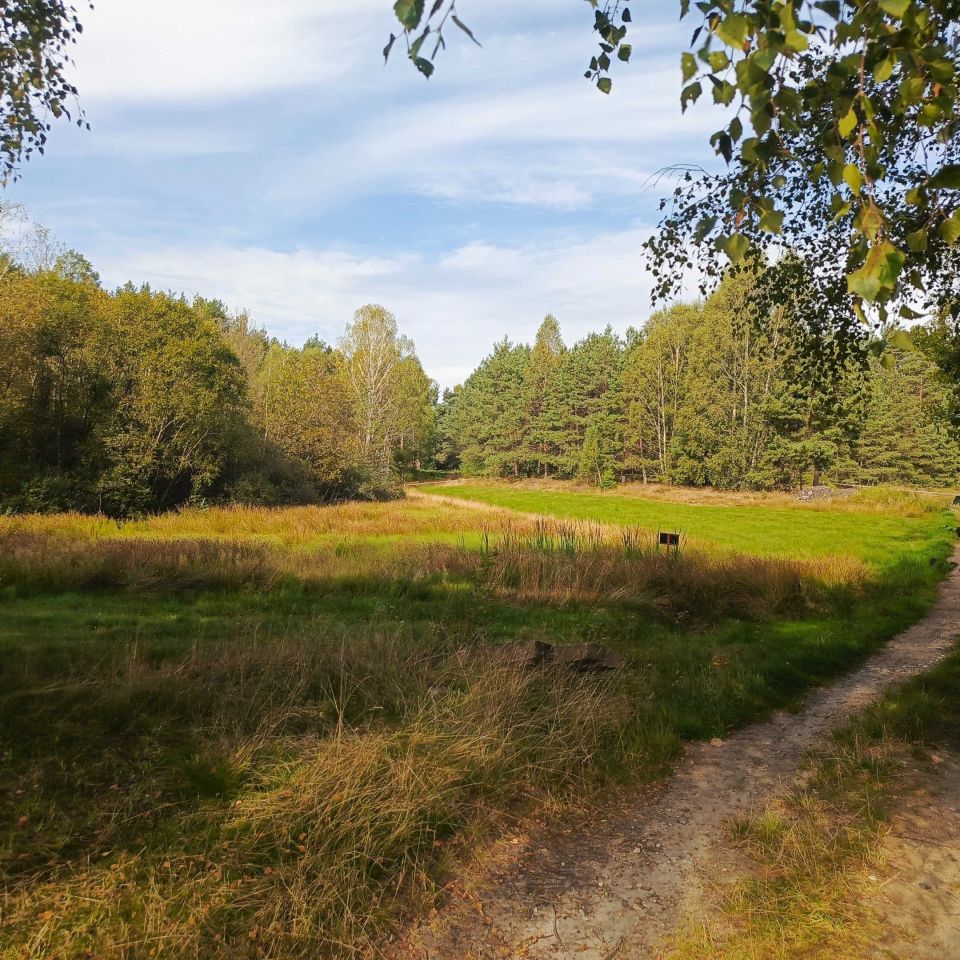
<point>759,524</point>
<point>242,732</point>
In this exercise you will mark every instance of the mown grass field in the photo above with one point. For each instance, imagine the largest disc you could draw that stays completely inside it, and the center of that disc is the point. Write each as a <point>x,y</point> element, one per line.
<point>876,526</point>
<point>246,733</point>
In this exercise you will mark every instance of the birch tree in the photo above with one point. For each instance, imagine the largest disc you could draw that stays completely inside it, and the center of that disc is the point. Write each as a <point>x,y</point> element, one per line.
<point>375,353</point>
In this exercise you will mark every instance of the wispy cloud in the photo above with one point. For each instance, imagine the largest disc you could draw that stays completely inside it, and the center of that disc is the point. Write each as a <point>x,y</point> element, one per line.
<point>262,153</point>
<point>141,51</point>
<point>454,304</point>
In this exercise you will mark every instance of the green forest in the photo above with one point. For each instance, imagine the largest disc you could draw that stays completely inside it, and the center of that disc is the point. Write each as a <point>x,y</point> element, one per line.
<point>137,401</point>
<point>706,394</point>
<point>134,401</point>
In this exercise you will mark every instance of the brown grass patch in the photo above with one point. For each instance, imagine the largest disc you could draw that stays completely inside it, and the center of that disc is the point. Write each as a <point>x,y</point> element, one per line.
<point>541,561</point>
<point>312,835</point>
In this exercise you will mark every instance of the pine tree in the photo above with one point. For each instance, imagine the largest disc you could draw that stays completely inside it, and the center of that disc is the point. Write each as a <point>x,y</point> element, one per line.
<point>489,413</point>
<point>906,436</point>
<point>595,400</point>
<point>540,396</point>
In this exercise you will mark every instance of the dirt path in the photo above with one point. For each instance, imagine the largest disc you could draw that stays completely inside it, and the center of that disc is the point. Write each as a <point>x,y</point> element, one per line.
<point>614,888</point>
<point>507,513</point>
<point>919,904</point>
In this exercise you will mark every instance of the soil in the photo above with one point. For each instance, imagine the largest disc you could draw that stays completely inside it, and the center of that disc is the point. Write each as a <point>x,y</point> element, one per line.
<point>616,883</point>
<point>919,901</point>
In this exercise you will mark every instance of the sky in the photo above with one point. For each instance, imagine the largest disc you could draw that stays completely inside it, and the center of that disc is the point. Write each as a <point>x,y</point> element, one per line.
<point>262,154</point>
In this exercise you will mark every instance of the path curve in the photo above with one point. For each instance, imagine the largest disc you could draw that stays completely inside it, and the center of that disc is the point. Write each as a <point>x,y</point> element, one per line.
<point>619,887</point>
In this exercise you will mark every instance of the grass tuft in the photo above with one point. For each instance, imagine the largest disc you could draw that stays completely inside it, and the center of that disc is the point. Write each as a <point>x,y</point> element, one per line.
<point>813,848</point>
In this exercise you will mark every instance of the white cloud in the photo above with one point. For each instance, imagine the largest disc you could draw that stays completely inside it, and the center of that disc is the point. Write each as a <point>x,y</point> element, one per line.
<point>235,144</point>
<point>298,85</point>
<point>192,50</point>
<point>557,144</point>
<point>506,188</point>
<point>159,140</point>
<point>455,305</point>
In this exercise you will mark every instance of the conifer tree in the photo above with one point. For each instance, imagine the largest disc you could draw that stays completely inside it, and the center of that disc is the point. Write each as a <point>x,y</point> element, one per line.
<point>906,436</point>
<point>490,415</point>
<point>542,399</point>
<point>595,400</point>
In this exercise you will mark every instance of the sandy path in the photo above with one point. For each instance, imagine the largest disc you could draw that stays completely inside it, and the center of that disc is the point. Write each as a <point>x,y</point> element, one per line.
<point>919,903</point>
<point>615,887</point>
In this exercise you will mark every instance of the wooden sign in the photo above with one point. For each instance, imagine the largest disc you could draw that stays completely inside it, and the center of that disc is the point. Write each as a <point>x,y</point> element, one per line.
<point>669,539</point>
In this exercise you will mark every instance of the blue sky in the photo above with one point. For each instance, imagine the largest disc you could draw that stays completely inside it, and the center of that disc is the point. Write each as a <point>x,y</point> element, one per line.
<point>261,153</point>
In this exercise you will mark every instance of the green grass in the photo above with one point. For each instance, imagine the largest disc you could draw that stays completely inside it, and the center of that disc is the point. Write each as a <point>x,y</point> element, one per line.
<point>245,733</point>
<point>760,530</point>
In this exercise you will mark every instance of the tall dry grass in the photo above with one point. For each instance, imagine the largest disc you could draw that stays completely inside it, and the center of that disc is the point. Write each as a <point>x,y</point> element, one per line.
<point>587,563</point>
<point>290,526</point>
<point>544,561</point>
<point>314,834</point>
<point>296,796</point>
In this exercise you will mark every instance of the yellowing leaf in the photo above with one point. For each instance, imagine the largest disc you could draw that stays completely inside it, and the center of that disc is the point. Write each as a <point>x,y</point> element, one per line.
<point>871,220</point>
<point>772,221</point>
<point>877,278</point>
<point>853,177</point>
<point>408,12</point>
<point>735,247</point>
<point>950,229</point>
<point>796,40</point>
<point>901,340</point>
<point>848,123</point>
<point>917,241</point>
<point>883,70</point>
<point>732,30</point>
<point>896,8</point>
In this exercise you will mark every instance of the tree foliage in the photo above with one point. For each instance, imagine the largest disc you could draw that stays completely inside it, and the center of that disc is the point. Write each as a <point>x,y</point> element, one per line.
<point>842,143</point>
<point>133,401</point>
<point>391,395</point>
<point>705,394</point>
<point>35,41</point>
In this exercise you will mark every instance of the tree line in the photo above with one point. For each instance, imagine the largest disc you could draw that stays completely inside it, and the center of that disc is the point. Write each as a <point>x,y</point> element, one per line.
<point>134,400</point>
<point>704,394</point>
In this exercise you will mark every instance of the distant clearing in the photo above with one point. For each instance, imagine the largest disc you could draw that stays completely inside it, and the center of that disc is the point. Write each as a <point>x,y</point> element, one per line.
<point>879,527</point>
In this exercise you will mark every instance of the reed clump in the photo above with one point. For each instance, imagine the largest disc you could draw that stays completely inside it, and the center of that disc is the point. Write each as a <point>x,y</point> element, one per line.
<point>588,563</point>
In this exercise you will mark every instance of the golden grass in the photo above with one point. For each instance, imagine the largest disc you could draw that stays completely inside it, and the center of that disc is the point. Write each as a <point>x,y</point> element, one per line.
<point>289,526</point>
<point>588,563</point>
<point>544,561</point>
<point>333,833</point>
<point>298,795</point>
